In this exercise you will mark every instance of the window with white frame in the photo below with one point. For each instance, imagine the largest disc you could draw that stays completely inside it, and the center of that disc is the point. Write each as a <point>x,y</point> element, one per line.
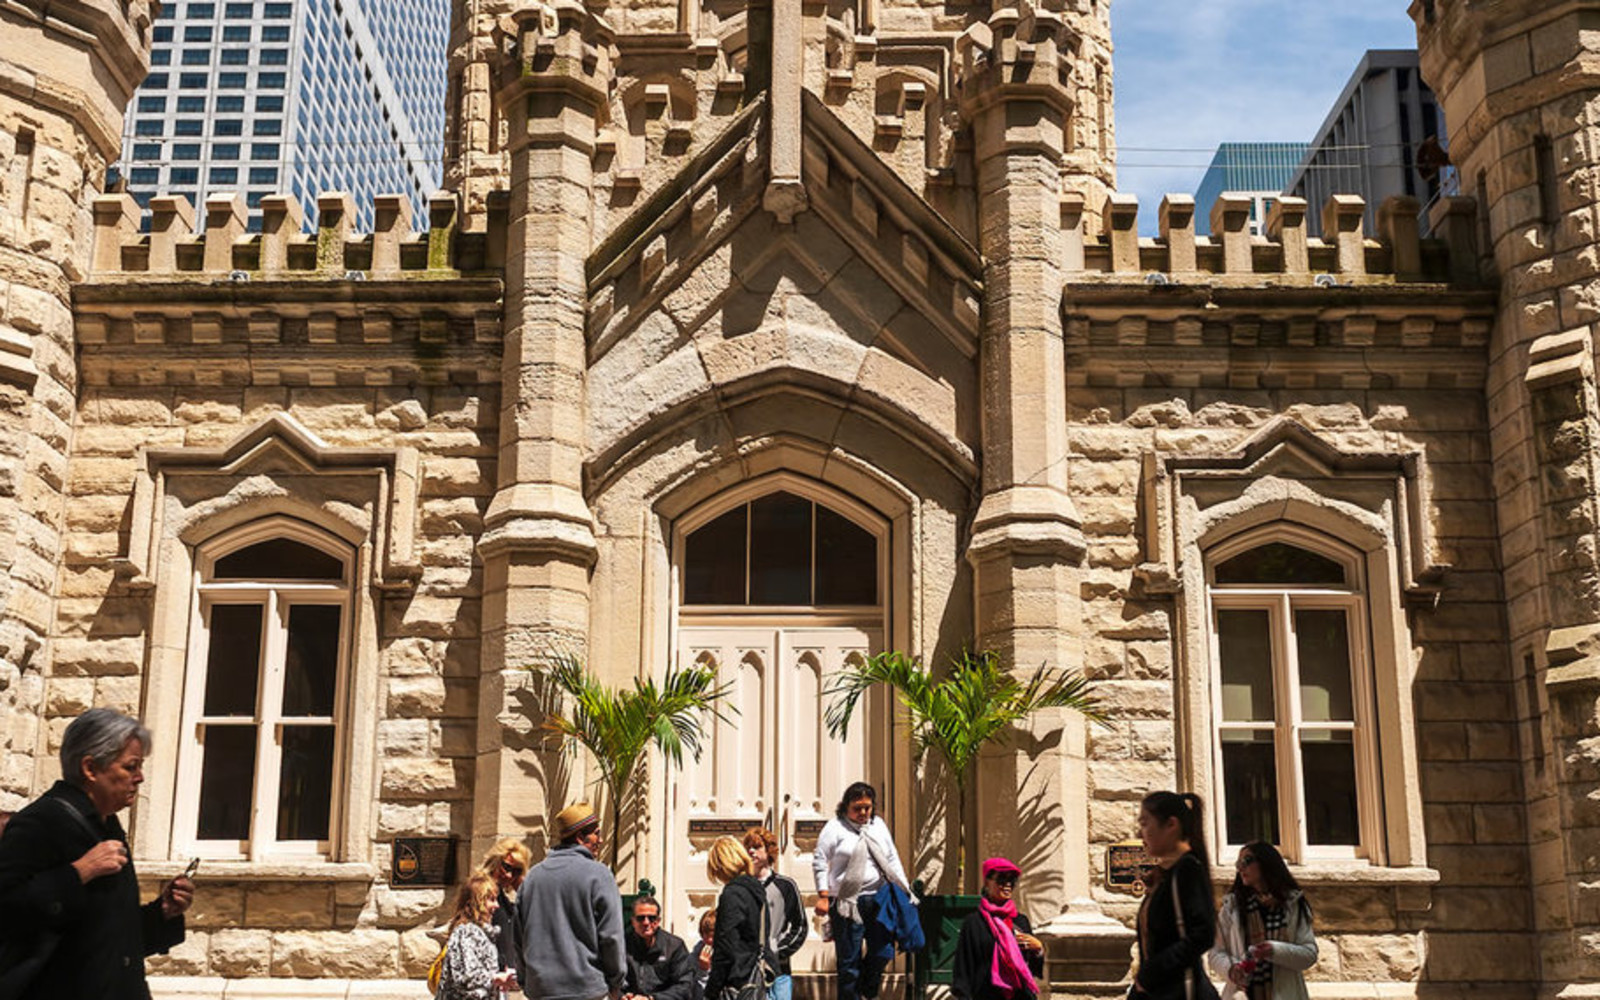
<point>264,695</point>
<point>1292,697</point>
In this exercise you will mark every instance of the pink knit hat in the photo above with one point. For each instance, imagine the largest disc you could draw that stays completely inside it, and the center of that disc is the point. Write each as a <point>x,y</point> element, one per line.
<point>999,866</point>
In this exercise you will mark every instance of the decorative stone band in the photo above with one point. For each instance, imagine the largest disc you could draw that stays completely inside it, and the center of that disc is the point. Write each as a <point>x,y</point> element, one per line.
<point>176,248</point>
<point>1284,255</point>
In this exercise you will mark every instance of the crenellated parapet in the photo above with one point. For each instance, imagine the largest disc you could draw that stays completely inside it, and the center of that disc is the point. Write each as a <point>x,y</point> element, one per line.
<point>176,247</point>
<point>1284,255</point>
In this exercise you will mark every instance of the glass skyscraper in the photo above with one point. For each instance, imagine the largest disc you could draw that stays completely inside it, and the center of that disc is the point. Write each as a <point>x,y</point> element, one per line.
<point>304,97</point>
<point>1260,170</point>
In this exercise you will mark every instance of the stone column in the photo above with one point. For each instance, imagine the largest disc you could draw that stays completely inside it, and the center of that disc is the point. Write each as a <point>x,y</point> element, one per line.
<point>1027,544</point>
<point>1520,84</point>
<point>538,545</point>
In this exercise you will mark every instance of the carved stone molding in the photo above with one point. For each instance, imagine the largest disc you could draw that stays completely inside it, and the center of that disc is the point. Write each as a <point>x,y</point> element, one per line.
<point>1282,469</point>
<point>278,467</point>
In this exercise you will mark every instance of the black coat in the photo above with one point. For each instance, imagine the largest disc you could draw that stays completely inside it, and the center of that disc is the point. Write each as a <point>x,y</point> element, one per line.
<point>738,942</point>
<point>664,971</point>
<point>973,975</point>
<point>508,937</point>
<point>1164,955</point>
<point>104,933</point>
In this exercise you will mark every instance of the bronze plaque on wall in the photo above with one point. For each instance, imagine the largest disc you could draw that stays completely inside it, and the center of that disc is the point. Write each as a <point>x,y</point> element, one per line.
<point>423,861</point>
<point>1126,863</point>
<point>721,827</point>
<point>809,828</point>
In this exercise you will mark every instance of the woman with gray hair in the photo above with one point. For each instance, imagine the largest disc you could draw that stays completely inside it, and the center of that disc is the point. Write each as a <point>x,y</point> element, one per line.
<point>69,899</point>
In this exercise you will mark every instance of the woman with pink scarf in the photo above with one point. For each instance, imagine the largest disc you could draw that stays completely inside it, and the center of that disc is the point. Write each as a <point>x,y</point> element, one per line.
<point>996,956</point>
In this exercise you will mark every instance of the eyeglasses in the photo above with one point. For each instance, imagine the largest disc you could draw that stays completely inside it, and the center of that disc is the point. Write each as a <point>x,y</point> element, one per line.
<point>646,918</point>
<point>1008,879</point>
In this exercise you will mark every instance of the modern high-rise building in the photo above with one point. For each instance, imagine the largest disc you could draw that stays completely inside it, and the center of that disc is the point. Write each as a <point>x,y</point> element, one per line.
<point>1259,170</point>
<point>266,97</point>
<point>1370,142</point>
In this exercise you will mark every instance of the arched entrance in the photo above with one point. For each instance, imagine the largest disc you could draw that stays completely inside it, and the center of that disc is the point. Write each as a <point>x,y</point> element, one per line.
<point>779,583</point>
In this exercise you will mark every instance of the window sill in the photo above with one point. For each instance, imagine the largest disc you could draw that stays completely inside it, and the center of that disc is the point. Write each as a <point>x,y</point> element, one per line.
<point>264,871</point>
<point>1413,885</point>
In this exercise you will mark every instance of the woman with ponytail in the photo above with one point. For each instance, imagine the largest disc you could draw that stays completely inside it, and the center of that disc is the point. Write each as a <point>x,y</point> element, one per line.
<point>1177,920</point>
<point>997,958</point>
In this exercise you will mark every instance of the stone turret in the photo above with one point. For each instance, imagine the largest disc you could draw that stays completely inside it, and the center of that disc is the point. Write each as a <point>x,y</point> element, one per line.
<point>1520,82</point>
<point>67,73</point>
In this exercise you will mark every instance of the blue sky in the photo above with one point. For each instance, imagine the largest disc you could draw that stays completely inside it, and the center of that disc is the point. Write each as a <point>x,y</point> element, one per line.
<point>1190,74</point>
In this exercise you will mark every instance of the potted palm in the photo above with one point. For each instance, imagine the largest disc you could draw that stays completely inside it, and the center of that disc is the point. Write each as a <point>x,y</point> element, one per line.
<point>618,725</point>
<point>976,704</point>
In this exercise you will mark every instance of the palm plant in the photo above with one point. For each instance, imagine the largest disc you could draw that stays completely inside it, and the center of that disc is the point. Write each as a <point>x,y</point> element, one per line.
<point>976,704</point>
<point>618,725</point>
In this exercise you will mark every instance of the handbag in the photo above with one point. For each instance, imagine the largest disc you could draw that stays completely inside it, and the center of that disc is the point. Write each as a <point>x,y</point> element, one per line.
<point>761,975</point>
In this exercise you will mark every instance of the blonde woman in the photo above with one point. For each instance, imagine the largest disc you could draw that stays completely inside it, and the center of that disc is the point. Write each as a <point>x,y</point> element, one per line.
<point>739,943</point>
<point>471,960</point>
<point>506,863</point>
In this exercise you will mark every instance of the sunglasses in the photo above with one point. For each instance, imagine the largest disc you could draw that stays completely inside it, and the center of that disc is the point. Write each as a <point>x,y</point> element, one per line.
<point>510,869</point>
<point>1009,878</point>
<point>646,918</point>
<point>1246,859</point>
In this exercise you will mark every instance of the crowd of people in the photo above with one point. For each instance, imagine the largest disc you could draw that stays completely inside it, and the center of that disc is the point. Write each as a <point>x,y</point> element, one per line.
<point>71,921</point>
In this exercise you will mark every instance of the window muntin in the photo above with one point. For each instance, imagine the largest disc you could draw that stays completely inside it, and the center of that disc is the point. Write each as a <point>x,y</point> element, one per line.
<point>780,550</point>
<point>264,698</point>
<point>1291,696</point>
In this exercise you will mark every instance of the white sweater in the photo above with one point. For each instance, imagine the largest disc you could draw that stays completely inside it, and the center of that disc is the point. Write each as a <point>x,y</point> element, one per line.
<point>1290,957</point>
<point>837,843</point>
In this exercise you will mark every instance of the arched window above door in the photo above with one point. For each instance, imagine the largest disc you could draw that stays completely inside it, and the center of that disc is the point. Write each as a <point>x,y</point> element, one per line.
<point>784,550</point>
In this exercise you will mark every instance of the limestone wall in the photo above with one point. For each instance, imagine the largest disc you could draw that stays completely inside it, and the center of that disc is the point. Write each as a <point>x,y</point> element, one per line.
<point>1366,377</point>
<point>285,397</point>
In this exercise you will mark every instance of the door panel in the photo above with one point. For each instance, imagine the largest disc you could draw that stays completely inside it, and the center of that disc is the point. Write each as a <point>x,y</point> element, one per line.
<point>772,764</point>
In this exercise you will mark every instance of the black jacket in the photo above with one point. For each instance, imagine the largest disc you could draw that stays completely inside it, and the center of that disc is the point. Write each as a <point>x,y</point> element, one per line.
<point>664,971</point>
<point>104,934</point>
<point>738,940</point>
<point>789,933</point>
<point>509,936</point>
<point>1164,955</point>
<point>973,975</point>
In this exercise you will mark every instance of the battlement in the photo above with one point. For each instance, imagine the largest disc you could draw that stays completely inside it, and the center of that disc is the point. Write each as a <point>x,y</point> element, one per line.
<point>1285,254</point>
<point>175,248</point>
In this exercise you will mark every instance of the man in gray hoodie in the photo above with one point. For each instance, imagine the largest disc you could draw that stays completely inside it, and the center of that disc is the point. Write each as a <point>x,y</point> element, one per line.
<point>572,942</point>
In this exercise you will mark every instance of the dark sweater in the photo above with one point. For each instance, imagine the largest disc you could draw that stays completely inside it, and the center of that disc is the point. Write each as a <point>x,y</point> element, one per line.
<point>738,941</point>
<point>1164,955</point>
<point>973,975</point>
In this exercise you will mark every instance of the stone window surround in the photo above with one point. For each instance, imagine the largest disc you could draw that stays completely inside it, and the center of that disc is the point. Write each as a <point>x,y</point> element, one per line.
<point>1350,598</point>
<point>1270,479</point>
<point>164,540</point>
<point>189,752</point>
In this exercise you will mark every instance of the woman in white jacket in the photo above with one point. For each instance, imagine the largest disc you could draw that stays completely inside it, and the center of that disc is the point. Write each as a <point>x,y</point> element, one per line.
<point>1265,942</point>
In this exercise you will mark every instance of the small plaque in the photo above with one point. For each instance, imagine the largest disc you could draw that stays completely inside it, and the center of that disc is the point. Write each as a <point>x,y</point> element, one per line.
<point>423,861</point>
<point>1126,863</point>
<point>721,827</point>
<point>809,828</point>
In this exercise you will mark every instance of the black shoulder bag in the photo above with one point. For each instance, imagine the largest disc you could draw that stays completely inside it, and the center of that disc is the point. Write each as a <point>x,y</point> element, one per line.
<point>761,974</point>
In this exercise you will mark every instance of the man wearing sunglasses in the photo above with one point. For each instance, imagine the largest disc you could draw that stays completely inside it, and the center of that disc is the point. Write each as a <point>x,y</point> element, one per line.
<point>659,966</point>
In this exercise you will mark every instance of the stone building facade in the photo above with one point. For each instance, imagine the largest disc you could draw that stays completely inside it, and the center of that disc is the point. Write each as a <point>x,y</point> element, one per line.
<point>768,335</point>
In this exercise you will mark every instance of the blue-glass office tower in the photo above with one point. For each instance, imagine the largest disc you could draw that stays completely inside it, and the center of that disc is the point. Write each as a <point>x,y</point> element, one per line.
<point>303,97</point>
<point>1260,170</point>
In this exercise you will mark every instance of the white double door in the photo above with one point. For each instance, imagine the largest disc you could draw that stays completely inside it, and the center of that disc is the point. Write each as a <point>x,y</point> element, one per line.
<point>771,763</point>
